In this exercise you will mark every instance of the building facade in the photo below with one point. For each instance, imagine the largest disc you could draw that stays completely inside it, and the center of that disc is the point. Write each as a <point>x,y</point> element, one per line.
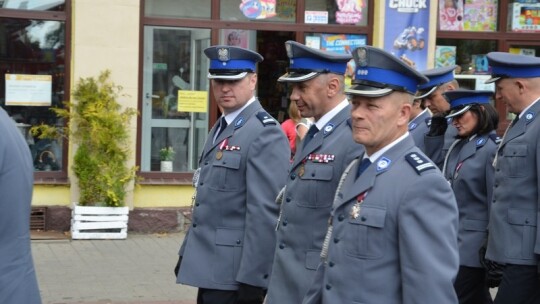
<point>153,49</point>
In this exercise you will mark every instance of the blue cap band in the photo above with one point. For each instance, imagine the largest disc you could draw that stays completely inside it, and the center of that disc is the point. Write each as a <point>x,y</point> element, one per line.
<point>478,99</point>
<point>437,80</point>
<point>233,64</point>
<point>318,65</point>
<point>515,71</point>
<point>384,76</point>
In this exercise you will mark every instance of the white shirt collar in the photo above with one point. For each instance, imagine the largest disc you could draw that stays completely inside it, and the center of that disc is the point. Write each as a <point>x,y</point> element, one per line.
<point>232,116</point>
<point>379,153</point>
<point>328,116</point>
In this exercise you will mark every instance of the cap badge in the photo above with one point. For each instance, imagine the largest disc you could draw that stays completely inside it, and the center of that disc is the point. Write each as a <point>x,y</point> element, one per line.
<point>361,53</point>
<point>223,54</point>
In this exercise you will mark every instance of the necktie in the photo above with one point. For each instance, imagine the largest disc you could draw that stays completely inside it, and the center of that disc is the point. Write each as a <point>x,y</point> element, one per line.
<point>364,164</point>
<point>222,126</point>
<point>310,133</point>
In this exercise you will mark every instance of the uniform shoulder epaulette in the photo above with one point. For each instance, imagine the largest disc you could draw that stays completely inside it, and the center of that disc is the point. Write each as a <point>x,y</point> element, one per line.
<point>266,119</point>
<point>419,162</point>
<point>496,139</point>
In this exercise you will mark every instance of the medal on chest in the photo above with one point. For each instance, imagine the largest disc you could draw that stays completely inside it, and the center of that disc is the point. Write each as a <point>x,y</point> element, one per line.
<point>355,209</point>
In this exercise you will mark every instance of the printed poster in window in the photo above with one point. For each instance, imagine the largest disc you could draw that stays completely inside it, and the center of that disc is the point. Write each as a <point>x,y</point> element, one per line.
<point>233,37</point>
<point>451,15</point>
<point>445,55</point>
<point>349,11</point>
<point>406,31</point>
<point>258,9</point>
<point>343,44</point>
<point>480,15</point>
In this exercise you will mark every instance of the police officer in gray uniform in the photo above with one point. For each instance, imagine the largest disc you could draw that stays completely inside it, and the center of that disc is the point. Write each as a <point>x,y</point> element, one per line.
<point>513,228</point>
<point>468,169</point>
<point>386,243</point>
<point>18,283</point>
<point>441,133</point>
<point>420,122</point>
<point>317,80</point>
<point>229,247</point>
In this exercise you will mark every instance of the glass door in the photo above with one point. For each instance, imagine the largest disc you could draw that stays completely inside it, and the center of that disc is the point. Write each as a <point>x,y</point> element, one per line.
<point>175,98</point>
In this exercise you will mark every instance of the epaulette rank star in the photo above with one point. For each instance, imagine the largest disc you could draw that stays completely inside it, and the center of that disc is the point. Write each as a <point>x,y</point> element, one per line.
<point>266,119</point>
<point>321,158</point>
<point>419,162</point>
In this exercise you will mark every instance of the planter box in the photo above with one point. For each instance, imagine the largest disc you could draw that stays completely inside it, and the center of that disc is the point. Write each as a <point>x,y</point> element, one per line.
<point>89,222</point>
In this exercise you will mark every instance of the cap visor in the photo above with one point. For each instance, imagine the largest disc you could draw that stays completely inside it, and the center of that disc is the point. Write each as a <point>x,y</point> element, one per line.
<point>297,77</point>
<point>454,114</point>
<point>426,94</point>
<point>368,91</point>
<point>228,76</point>
<point>492,79</point>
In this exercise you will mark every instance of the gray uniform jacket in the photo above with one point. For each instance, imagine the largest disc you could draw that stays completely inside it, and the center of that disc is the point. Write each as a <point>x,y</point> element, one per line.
<point>402,246</point>
<point>418,127</point>
<point>436,147</point>
<point>306,208</point>
<point>232,236</point>
<point>18,283</point>
<point>513,227</point>
<point>470,172</point>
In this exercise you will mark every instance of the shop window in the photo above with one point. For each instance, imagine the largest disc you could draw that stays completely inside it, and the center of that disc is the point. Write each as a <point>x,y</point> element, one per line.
<point>351,12</point>
<point>262,10</point>
<point>34,5</point>
<point>177,8</point>
<point>32,59</point>
<point>175,101</point>
<point>468,15</point>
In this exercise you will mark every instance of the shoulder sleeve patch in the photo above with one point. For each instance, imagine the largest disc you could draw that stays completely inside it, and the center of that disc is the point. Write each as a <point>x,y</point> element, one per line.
<point>266,119</point>
<point>419,162</point>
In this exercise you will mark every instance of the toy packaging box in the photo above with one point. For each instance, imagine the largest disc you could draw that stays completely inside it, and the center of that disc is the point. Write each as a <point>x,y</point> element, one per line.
<point>445,55</point>
<point>524,17</point>
<point>480,15</point>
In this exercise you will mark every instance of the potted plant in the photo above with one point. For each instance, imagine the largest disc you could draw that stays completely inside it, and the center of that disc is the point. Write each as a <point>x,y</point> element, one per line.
<point>99,129</point>
<point>166,155</point>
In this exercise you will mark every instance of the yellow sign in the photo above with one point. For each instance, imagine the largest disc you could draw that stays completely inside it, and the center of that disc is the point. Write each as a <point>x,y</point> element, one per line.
<point>192,101</point>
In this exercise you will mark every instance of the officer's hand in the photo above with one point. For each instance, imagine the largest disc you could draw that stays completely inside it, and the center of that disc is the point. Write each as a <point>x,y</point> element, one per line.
<point>494,270</point>
<point>249,294</point>
<point>438,127</point>
<point>177,267</point>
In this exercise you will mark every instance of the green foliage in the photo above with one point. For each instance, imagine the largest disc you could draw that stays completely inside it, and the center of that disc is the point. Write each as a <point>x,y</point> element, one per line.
<point>167,154</point>
<point>100,128</point>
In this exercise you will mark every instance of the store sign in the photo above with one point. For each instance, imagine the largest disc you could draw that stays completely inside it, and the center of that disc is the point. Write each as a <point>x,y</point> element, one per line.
<point>192,101</point>
<point>406,31</point>
<point>28,90</point>
<point>316,17</point>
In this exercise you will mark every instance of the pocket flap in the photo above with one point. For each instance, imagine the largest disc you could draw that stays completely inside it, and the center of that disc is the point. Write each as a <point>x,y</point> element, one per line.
<point>322,171</point>
<point>313,259</point>
<point>515,150</point>
<point>522,217</point>
<point>475,225</point>
<point>370,216</point>
<point>229,160</point>
<point>229,236</point>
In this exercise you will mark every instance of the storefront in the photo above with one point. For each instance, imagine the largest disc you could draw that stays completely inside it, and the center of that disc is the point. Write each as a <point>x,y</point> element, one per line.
<point>154,50</point>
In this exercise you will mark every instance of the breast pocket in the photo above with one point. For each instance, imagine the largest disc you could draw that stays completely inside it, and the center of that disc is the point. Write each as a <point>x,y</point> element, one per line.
<point>318,190</point>
<point>365,234</point>
<point>226,175</point>
<point>514,163</point>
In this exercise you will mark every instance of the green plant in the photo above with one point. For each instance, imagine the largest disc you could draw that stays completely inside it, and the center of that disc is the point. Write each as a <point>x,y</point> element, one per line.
<point>167,154</point>
<point>100,129</point>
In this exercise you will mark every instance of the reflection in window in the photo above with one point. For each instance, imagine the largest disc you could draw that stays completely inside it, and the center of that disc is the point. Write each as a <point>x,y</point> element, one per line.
<point>177,8</point>
<point>468,55</point>
<point>32,53</point>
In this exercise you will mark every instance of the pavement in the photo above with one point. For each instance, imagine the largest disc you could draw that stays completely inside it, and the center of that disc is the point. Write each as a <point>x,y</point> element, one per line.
<point>137,270</point>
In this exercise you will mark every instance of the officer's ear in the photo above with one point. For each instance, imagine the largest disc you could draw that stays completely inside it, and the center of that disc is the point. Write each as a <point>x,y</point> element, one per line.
<point>334,84</point>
